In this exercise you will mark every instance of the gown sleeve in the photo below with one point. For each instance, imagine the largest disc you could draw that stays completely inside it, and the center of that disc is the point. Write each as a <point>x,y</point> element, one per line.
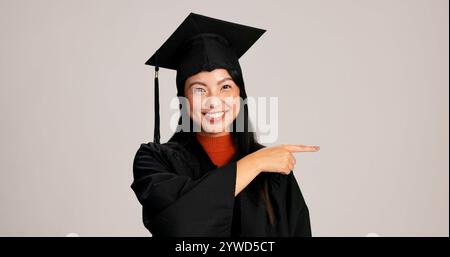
<point>297,210</point>
<point>175,204</point>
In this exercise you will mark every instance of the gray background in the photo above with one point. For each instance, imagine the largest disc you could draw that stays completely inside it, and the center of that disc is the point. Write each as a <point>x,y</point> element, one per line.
<point>366,80</point>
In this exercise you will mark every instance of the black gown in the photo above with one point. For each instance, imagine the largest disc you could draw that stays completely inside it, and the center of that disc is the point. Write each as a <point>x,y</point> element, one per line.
<point>183,193</point>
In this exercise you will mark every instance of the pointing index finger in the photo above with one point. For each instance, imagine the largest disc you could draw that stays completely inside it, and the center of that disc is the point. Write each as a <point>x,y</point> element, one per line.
<point>302,148</point>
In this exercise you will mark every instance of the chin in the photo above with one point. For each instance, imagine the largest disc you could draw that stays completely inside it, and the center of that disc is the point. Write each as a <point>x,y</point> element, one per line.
<point>213,128</point>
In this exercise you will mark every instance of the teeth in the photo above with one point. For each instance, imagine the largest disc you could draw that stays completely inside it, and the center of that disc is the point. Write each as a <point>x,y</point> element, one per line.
<point>214,115</point>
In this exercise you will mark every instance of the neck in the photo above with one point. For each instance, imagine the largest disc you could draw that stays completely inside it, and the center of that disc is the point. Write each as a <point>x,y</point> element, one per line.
<point>220,148</point>
<point>206,134</point>
<point>217,142</point>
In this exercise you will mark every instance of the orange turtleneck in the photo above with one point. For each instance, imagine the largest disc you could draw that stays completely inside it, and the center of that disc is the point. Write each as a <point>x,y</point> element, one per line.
<point>219,149</point>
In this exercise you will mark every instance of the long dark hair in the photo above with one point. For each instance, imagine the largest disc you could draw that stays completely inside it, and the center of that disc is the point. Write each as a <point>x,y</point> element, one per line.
<point>245,141</point>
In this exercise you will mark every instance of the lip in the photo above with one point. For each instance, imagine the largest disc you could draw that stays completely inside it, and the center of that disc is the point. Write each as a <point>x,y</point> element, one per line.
<point>215,116</point>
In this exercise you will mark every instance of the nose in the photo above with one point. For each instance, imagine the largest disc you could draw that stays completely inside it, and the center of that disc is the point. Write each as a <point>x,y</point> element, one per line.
<point>213,102</point>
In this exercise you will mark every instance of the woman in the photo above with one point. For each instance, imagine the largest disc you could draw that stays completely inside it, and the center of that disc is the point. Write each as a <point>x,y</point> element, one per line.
<point>211,178</point>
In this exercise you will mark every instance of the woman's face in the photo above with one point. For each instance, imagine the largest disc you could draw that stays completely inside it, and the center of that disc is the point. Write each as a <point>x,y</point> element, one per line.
<point>213,100</point>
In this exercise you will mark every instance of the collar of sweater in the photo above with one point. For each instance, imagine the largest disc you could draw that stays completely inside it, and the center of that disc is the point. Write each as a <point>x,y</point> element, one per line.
<point>213,144</point>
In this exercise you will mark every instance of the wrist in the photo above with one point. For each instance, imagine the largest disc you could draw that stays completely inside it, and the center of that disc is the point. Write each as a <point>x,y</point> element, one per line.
<point>249,163</point>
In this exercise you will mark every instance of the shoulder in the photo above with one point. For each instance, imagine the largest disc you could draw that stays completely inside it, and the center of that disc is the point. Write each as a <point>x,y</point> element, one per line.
<point>165,150</point>
<point>171,157</point>
<point>167,157</point>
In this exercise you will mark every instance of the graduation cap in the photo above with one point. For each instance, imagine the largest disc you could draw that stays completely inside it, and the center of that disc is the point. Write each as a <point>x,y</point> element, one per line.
<point>201,43</point>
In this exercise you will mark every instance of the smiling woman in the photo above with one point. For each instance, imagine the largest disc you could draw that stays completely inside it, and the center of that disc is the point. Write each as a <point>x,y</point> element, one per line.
<point>217,180</point>
<point>214,100</point>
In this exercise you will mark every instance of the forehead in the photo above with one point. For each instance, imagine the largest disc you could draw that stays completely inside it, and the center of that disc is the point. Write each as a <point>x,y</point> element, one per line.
<point>214,75</point>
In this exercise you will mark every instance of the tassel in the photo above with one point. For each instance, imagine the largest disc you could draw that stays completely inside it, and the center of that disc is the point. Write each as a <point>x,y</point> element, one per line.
<point>156,135</point>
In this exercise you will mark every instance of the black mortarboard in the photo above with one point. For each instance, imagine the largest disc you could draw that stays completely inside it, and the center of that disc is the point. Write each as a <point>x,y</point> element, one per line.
<point>201,43</point>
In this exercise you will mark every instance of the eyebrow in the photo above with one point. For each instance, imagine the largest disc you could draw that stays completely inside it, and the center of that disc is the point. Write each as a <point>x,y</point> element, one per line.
<point>201,83</point>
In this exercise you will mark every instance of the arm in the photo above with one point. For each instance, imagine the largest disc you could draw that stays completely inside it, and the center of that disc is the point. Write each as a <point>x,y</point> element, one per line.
<point>177,205</point>
<point>271,159</point>
<point>247,170</point>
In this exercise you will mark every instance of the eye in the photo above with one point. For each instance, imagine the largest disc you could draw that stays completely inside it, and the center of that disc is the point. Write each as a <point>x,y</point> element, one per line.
<point>227,86</point>
<point>199,90</point>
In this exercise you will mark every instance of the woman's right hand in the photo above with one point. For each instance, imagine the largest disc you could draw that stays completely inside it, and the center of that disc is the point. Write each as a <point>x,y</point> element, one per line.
<point>277,158</point>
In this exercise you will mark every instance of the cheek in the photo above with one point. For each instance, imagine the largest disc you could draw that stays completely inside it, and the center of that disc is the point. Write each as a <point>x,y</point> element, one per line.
<point>233,104</point>
<point>236,109</point>
<point>195,109</point>
<point>236,102</point>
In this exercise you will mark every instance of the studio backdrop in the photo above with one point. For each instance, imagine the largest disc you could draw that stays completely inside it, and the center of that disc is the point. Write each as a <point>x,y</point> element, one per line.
<point>365,80</point>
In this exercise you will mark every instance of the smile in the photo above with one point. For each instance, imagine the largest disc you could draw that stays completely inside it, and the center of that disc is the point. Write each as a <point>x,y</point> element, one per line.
<point>215,116</point>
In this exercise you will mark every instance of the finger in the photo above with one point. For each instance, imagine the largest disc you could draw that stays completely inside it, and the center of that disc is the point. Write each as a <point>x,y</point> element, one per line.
<point>288,171</point>
<point>291,155</point>
<point>302,148</point>
<point>291,167</point>
<point>286,168</point>
<point>292,159</point>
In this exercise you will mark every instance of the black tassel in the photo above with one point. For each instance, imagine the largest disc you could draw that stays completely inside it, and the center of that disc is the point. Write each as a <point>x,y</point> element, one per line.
<point>156,135</point>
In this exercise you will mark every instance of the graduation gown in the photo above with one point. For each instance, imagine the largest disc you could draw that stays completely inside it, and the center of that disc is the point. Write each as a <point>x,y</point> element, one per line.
<point>183,193</point>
